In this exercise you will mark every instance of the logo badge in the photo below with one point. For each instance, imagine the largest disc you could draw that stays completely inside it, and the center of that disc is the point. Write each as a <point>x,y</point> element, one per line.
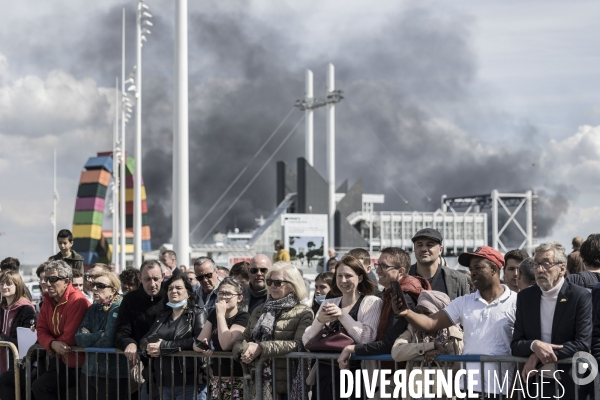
<point>582,362</point>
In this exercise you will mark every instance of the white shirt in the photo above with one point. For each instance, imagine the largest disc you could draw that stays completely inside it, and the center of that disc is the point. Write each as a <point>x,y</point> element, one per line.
<point>547,307</point>
<point>488,330</point>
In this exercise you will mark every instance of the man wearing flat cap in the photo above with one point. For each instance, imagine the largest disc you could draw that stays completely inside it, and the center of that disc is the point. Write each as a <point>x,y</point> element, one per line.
<point>554,322</point>
<point>431,265</point>
<point>487,317</point>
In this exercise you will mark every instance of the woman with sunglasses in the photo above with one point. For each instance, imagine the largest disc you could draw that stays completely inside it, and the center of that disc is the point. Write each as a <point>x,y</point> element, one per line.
<point>275,329</point>
<point>356,310</point>
<point>97,330</point>
<point>17,312</point>
<point>174,330</point>
<point>224,326</point>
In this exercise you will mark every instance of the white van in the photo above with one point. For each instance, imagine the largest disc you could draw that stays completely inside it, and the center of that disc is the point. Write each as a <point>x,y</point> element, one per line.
<point>35,290</point>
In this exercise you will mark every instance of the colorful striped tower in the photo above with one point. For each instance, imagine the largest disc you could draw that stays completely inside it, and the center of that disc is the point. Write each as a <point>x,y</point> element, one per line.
<point>92,242</point>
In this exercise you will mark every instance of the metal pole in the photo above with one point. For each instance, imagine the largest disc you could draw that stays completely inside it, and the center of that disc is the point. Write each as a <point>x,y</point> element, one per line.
<point>529,212</point>
<point>331,151</point>
<point>181,220</point>
<point>123,156</point>
<point>137,180</point>
<point>308,123</point>
<point>495,219</point>
<point>55,202</point>
<point>115,185</point>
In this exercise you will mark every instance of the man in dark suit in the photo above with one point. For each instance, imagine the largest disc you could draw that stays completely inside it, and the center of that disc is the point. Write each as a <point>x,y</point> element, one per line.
<point>430,265</point>
<point>553,322</point>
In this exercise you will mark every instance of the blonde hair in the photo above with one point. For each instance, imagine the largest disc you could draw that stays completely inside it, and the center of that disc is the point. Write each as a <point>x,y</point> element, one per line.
<point>291,274</point>
<point>114,280</point>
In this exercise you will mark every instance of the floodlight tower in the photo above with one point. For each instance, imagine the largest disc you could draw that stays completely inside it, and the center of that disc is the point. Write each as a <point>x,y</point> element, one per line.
<point>309,118</point>
<point>125,115</point>
<point>54,206</point>
<point>115,184</point>
<point>331,149</point>
<point>181,207</point>
<point>143,20</point>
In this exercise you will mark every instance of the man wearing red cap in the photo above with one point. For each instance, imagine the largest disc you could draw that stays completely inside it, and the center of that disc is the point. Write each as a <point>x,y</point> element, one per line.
<point>487,316</point>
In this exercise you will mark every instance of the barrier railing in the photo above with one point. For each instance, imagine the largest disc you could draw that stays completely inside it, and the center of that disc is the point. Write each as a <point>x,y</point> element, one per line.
<point>297,366</point>
<point>200,364</point>
<point>9,348</point>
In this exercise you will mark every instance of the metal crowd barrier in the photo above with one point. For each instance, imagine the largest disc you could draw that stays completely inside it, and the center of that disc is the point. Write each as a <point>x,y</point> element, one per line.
<point>11,348</point>
<point>303,360</point>
<point>74,393</point>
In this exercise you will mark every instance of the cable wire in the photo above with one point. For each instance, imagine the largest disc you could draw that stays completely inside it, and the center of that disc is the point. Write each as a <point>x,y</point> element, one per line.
<point>241,172</point>
<point>253,179</point>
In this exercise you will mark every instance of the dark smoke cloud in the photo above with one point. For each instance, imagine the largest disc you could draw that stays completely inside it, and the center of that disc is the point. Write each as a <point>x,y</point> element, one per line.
<point>403,85</point>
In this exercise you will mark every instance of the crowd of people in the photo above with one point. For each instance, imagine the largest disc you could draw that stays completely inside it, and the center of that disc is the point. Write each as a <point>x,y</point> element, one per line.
<point>538,307</point>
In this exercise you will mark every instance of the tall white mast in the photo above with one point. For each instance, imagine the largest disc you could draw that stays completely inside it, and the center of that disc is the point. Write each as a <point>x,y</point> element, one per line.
<point>309,120</point>
<point>123,160</point>
<point>54,206</point>
<point>181,221</point>
<point>115,184</point>
<point>331,150</point>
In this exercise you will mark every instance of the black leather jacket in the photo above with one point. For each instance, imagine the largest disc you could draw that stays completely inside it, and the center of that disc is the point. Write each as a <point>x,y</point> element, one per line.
<point>179,338</point>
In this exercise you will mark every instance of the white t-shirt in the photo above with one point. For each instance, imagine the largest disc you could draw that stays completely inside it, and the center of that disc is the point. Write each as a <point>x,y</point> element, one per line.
<point>488,330</point>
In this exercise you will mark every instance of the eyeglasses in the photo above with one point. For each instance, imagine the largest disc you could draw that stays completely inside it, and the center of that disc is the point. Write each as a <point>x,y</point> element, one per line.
<point>227,295</point>
<point>100,285</point>
<point>546,265</point>
<point>384,267</point>
<point>89,277</point>
<point>53,279</point>
<point>276,282</point>
<point>207,276</point>
<point>254,271</point>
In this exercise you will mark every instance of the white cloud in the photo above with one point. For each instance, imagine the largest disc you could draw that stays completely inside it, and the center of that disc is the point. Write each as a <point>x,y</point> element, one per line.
<point>37,115</point>
<point>34,106</point>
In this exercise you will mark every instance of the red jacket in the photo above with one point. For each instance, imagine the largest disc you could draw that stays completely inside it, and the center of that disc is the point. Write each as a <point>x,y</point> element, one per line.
<point>60,321</point>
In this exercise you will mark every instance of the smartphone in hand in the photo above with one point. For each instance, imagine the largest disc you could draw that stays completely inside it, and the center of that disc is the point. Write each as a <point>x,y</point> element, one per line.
<point>153,338</point>
<point>201,344</point>
<point>402,303</point>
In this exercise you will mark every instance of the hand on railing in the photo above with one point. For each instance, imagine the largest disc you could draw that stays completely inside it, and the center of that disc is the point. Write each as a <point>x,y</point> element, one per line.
<point>252,352</point>
<point>153,349</point>
<point>61,348</point>
<point>432,354</point>
<point>131,353</point>
<point>545,351</point>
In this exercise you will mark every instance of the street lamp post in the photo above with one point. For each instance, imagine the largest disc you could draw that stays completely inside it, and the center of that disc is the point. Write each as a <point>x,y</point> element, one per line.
<point>143,17</point>
<point>181,218</point>
<point>115,184</point>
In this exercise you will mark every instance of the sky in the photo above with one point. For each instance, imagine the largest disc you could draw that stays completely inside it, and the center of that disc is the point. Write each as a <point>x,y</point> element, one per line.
<point>454,98</point>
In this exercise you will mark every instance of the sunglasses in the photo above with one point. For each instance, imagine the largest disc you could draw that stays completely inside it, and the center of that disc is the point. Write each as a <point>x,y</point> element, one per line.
<point>254,271</point>
<point>276,282</point>
<point>227,295</point>
<point>384,267</point>
<point>53,279</point>
<point>89,277</point>
<point>207,276</point>
<point>100,285</point>
<point>77,284</point>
